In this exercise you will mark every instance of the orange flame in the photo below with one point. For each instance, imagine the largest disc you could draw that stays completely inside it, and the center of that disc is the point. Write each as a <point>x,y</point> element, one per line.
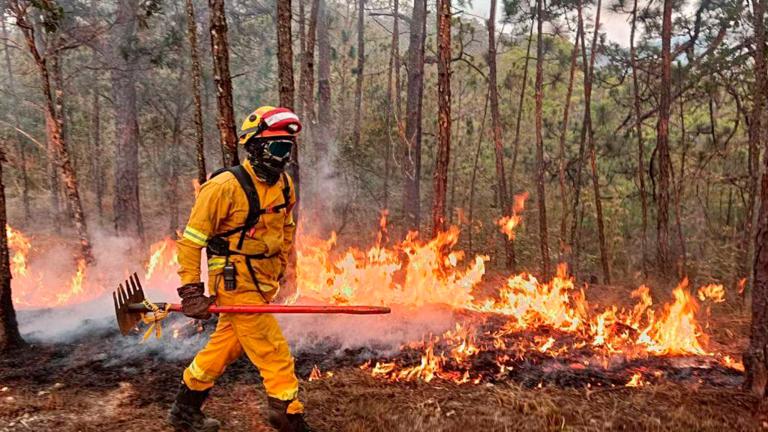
<point>712,292</point>
<point>20,246</point>
<point>508,224</point>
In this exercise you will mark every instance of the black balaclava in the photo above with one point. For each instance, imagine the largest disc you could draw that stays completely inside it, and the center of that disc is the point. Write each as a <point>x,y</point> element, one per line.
<point>267,166</point>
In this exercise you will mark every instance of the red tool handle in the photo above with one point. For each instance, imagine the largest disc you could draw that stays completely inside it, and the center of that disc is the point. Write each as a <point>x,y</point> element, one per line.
<point>281,309</point>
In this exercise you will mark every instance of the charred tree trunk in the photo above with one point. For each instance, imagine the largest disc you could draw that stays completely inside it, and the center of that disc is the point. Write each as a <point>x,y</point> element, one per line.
<point>564,245</point>
<point>324,119</point>
<point>20,144</point>
<point>223,81</point>
<point>523,85</point>
<point>359,73</point>
<point>640,145</point>
<point>53,131</point>
<point>442,162</point>
<point>196,78</point>
<point>498,143</point>
<point>412,151</point>
<point>604,261</point>
<point>10,337</point>
<point>756,355</point>
<point>540,187</point>
<point>662,144</point>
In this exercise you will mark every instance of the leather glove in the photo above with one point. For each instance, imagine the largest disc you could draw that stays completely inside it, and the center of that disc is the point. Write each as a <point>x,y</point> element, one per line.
<point>194,303</point>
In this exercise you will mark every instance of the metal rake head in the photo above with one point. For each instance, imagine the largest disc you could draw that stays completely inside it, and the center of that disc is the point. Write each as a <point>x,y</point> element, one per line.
<point>123,297</point>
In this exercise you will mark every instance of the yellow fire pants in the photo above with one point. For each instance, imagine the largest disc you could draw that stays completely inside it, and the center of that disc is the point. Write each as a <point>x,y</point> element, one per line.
<point>259,336</point>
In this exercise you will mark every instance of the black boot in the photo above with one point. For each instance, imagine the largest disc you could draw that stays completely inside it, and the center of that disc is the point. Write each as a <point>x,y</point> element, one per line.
<point>185,414</point>
<point>282,421</point>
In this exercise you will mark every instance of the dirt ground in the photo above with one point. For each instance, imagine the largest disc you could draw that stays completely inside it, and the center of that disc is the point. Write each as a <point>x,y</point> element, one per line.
<point>80,386</point>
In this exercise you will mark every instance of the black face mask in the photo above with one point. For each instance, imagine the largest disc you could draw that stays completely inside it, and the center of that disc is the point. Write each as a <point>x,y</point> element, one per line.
<point>269,157</point>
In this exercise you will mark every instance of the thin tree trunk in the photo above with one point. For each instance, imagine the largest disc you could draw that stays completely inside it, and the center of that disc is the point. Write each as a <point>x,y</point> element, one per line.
<point>498,144</point>
<point>323,137</point>
<point>10,337</point>
<point>523,85</point>
<point>442,161</point>
<point>307,79</point>
<point>683,266</point>
<point>57,84</point>
<point>393,96</point>
<point>53,131</point>
<point>539,98</point>
<point>285,54</point>
<point>196,78</point>
<point>126,204</point>
<point>640,145</point>
<point>564,245</point>
<point>473,179</point>
<point>223,80</point>
<point>412,153</point>
<point>576,210</point>
<point>756,355</point>
<point>20,144</point>
<point>97,173</point>
<point>359,73</point>
<point>604,261</point>
<point>662,144</point>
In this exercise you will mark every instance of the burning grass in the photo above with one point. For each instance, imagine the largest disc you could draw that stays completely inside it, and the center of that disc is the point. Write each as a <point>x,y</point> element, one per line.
<point>515,352</point>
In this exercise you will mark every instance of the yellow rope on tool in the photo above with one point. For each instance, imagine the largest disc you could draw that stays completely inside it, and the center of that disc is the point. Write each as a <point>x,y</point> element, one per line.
<point>154,318</point>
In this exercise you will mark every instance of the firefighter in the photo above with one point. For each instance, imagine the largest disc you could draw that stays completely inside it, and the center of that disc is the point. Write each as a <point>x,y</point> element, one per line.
<point>243,218</point>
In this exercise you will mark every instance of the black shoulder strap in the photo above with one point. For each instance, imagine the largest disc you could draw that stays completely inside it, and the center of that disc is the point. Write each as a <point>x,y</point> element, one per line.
<point>286,189</point>
<point>254,205</point>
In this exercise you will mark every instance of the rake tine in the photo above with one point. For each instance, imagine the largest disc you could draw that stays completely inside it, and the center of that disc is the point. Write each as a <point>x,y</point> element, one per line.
<point>139,289</point>
<point>114,298</point>
<point>123,294</point>
<point>131,288</point>
<point>118,295</point>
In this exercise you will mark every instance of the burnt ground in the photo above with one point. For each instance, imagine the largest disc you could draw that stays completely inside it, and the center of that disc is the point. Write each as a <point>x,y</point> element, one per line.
<point>100,381</point>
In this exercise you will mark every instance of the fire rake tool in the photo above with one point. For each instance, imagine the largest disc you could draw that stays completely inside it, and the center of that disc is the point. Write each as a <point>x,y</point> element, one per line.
<point>132,307</point>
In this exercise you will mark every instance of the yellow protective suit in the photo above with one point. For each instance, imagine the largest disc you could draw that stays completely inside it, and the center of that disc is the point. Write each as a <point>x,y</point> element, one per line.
<point>221,206</point>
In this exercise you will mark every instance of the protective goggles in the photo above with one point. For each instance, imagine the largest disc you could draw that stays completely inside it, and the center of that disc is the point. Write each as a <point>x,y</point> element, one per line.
<point>278,149</point>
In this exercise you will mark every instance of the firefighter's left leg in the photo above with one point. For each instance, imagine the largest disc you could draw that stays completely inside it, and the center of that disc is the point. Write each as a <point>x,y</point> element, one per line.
<point>222,349</point>
<point>265,346</point>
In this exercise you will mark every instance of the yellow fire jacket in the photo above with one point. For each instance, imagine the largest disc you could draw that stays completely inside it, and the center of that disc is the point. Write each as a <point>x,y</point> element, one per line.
<point>222,206</point>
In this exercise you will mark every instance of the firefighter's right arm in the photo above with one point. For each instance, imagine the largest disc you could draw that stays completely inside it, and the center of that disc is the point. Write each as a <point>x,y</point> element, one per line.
<point>211,206</point>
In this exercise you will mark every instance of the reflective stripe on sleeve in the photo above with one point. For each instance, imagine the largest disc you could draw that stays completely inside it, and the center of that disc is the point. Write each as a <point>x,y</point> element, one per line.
<point>195,236</point>
<point>216,263</point>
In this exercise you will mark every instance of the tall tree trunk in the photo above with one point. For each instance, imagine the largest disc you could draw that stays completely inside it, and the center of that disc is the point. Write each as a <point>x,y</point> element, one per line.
<point>53,131</point>
<point>59,102</point>
<point>756,355</point>
<point>576,209</point>
<point>498,143</point>
<point>412,153</point>
<point>640,145</point>
<point>97,157</point>
<point>223,81</point>
<point>10,337</point>
<point>359,73</point>
<point>440,179</point>
<point>473,179</point>
<point>540,187</point>
<point>196,78</point>
<point>285,54</point>
<point>523,85</point>
<point>393,96</point>
<point>679,189</point>
<point>126,204</point>
<point>307,79</point>
<point>604,261</point>
<point>323,137</point>
<point>564,246</point>
<point>20,144</point>
<point>662,144</point>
